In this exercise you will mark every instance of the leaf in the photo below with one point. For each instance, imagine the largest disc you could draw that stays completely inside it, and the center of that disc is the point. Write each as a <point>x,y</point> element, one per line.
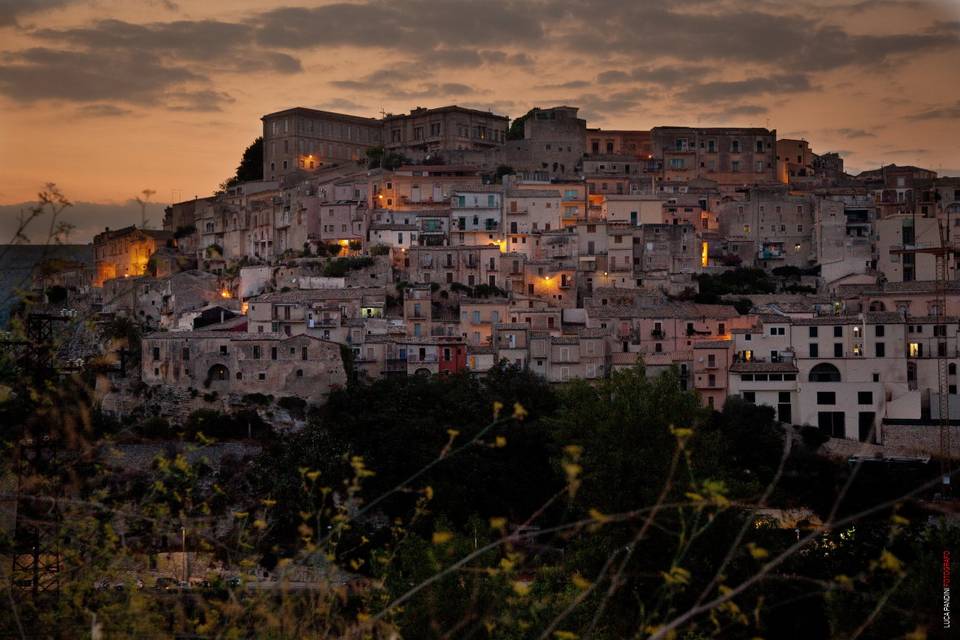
<point>676,576</point>
<point>758,553</point>
<point>599,517</point>
<point>442,537</point>
<point>580,582</point>
<point>890,562</point>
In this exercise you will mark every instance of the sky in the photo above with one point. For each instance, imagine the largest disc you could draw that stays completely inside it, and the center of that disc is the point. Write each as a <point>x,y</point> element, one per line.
<point>107,98</point>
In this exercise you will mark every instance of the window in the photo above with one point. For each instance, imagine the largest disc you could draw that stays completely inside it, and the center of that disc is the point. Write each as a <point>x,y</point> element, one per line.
<point>826,397</point>
<point>838,350</point>
<point>881,350</point>
<point>223,349</point>
<point>824,372</point>
<point>777,331</point>
<point>186,353</point>
<point>304,353</point>
<point>735,166</point>
<point>156,353</point>
<point>838,332</point>
<point>273,353</point>
<point>865,397</point>
<point>915,350</point>
<point>813,332</point>
<point>814,350</point>
<point>878,330</point>
<point>784,411</point>
<point>832,423</point>
<point>750,396</point>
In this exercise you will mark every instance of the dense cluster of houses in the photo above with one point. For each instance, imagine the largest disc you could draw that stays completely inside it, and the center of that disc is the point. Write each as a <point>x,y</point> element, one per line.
<point>562,249</point>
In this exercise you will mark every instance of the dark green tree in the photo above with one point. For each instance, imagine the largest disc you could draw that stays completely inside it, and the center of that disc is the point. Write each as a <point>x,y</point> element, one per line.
<point>251,164</point>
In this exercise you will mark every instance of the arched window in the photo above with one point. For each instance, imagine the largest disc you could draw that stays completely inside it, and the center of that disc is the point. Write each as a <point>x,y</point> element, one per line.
<point>824,372</point>
<point>877,305</point>
<point>218,372</point>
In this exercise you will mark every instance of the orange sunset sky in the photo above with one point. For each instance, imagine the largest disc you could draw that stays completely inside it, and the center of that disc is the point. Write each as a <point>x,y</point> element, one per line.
<point>108,97</point>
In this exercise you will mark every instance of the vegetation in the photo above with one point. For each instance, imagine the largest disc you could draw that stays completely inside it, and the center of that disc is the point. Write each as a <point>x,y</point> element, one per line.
<point>341,266</point>
<point>458,506</point>
<point>184,231</point>
<point>740,281</point>
<point>380,158</point>
<point>250,167</point>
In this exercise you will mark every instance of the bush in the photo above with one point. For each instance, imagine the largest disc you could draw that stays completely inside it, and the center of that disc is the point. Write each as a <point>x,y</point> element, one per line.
<point>257,399</point>
<point>158,428</point>
<point>184,230</point>
<point>56,294</point>
<point>341,266</point>
<point>297,407</point>
<point>214,424</point>
<point>379,250</point>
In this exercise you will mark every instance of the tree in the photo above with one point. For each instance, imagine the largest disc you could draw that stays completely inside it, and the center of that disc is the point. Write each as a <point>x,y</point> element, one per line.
<point>380,158</point>
<point>251,164</point>
<point>516,132</point>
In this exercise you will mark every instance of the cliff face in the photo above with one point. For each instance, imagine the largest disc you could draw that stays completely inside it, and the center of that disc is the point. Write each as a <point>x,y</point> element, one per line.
<point>18,261</point>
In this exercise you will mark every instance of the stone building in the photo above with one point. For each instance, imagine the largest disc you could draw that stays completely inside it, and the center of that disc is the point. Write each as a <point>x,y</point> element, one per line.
<point>302,140</point>
<point>425,133</point>
<point>236,363</point>
<point>552,144</point>
<point>125,253</point>
<point>731,157</point>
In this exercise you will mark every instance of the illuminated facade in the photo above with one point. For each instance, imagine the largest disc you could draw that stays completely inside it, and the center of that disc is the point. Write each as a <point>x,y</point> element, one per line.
<point>125,253</point>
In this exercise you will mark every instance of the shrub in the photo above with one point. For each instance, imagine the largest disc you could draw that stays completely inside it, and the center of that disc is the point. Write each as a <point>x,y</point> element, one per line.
<point>257,399</point>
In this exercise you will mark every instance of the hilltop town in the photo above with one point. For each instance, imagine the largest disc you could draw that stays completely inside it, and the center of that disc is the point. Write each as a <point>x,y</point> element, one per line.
<point>450,239</point>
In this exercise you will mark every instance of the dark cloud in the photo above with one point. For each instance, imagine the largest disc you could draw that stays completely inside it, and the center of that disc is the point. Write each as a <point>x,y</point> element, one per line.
<point>737,35</point>
<point>11,11</point>
<point>670,75</point>
<point>601,106</point>
<point>87,76</point>
<point>946,112</point>
<point>611,77</point>
<point>218,45</point>
<point>456,58</point>
<point>571,84</point>
<point>729,90</point>
<point>205,100</point>
<point>853,133</point>
<point>733,113</point>
<point>409,25</point>
<point>101,111</point>
<point>341,104</point>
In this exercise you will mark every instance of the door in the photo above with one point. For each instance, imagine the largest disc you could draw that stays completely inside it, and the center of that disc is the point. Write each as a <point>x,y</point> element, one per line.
<point>866,421</point>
